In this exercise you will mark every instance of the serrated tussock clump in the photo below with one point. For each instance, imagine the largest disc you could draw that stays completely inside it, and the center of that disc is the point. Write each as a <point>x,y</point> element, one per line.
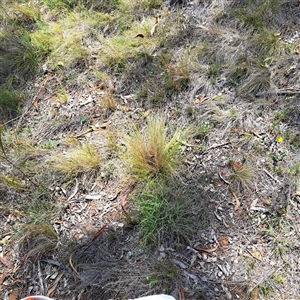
<point>150,153</point>
<point>82,160</point>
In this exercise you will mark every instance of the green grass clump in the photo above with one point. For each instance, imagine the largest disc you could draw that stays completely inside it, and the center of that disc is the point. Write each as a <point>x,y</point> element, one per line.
<point>151,153</point>
<point>83,160</point>
<point>168,213</point>
<point>257,14</point>
<point>164,276</point>
<point>20,57</point>
<point>10,100</point>
<point>243,177</point>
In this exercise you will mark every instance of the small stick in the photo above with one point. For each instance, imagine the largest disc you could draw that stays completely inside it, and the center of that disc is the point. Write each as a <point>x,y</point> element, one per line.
<point>237,205</point>
<point>207,250</point>
<point>253,255</point>
<point>83,133</point>
<point>219,145</point>
<point>102,229</point>
<point>270,175</point>
<point>227,182</point>
<point>71,264</point>
<point>75,191</point>
<point>182,293</point>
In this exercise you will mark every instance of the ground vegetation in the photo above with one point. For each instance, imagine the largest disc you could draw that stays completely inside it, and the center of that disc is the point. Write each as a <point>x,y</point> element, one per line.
<point>149,147</point>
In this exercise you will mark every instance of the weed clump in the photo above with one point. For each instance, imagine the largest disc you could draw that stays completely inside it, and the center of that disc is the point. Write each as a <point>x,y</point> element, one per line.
<point>150,153</point>
<point>168,213</point>
<point>82,160</point>
<point>257,14</point>
<point>20,58</point>
<point>10,101</point>
<point>38,240</point>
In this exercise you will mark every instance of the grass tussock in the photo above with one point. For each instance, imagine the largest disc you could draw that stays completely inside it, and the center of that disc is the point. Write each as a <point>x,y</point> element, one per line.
<point>10,101</point>
<point>243,175</point>
<point>82,160</point>
<point>109,101</point>
<point>150,153</point>
<point>37,240</point>
<point>20,58</point>
<point>257,14</point>
<point>165,214</point>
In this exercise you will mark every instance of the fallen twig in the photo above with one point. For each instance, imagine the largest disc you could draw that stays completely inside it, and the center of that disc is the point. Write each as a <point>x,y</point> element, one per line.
<point>270,175</point>
<point>279,92</point>
<point>54,285</point>
<point>182,293</point>
<point>83,133</point>
<point>74,192</point>
<point>208,250</point>
<point>219,145</point>
<point>221,177</point>
<point>102,229</point>
<point>124,197</point>
<point>253,255</point>
<point>237,205</point>
<point>71,264</point>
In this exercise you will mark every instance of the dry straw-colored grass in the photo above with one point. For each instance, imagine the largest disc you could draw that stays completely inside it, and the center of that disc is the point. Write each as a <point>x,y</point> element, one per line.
<point>150,153</point>
<point>82,160</point>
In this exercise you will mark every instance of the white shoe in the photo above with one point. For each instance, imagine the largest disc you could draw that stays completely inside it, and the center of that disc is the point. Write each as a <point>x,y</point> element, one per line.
<point>155,297</point>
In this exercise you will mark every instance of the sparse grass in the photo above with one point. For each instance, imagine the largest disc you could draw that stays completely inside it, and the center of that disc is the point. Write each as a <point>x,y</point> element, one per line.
<point>168,214</point>
<point>268,43</point>
<point>107,43</point>
<point>82,160</point>
<point>164,276</point>
<point>151,153</point>
<point>256,81</point>
<point>20,57</point>
<point>37,240</point>
<point>109,101</point>
<point>11,182</point>
<point>164,78</point>
<point>112,143</point>
<point>10,101</point>
<point>214,70</point>
<point>39,208</point>
<point>256,14</point>
<point>243,175</point>
<point>121,51</point>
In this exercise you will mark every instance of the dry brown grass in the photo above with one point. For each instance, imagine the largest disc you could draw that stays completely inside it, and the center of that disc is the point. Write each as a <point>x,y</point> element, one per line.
<point>85,159</point>
<point>151,153</point>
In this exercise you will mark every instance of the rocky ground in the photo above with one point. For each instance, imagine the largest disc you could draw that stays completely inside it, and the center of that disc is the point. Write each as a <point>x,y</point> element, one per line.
<point>242,166</point>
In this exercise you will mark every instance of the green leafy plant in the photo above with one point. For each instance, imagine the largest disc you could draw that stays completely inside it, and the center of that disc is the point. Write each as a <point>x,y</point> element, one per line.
<point>265,290</point>
<point>50,144</point>
<point>151,153</point>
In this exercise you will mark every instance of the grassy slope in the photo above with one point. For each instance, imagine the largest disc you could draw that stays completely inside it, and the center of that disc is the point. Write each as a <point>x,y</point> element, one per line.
<point>225,73</point>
